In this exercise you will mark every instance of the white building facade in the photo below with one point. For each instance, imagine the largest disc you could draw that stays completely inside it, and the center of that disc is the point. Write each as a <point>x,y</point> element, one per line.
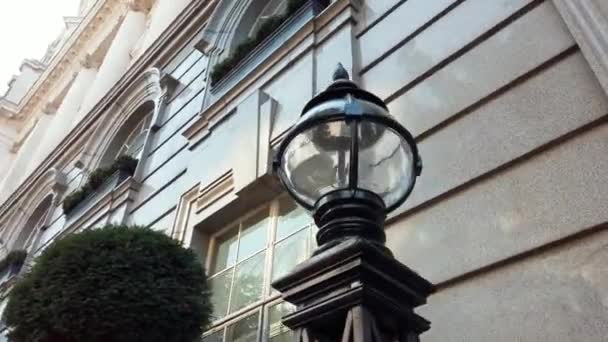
<point>507,100</point>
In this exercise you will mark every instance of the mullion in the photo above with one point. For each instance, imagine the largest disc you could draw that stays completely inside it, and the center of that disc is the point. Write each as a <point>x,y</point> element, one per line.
<point>238,247</point>
<point>292,234</point>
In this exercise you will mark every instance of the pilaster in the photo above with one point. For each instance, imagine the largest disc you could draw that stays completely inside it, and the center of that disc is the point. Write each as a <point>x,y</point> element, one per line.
<point>588,23</point>
<point>117,58</point>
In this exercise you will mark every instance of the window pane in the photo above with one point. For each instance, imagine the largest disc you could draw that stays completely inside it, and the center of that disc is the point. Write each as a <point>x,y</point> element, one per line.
<point>248,280</point>
<point>220,289</point>
<point>289,253</point>
<point>292,217</point>
<point>277,332</point>
<point>215,337</point>
<point>317,161</point>
<point>253,235</point>
<point>225,255</point>
<point>245,330</point>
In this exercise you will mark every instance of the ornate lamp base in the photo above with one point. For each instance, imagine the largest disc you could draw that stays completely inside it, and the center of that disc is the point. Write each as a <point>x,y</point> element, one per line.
<point>355,292</point>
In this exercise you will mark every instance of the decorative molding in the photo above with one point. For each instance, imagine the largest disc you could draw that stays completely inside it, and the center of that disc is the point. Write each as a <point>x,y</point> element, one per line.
<point>214,191</point>
<point>182,222</point>
<point>141,5</point>
<point>73,47</point>
<point>146,89</point>
<point>23,135</point>
<point>53,183</point>
<point>58,184</point>
<point>168,85</point>
<point>50,108</point>
<point>90,61</point>
<point>588,24</point>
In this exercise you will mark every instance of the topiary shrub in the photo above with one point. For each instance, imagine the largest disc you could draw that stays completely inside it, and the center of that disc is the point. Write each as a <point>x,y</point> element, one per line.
<point>242,50</point>
<point>115,284</point>
<point>126,164</point>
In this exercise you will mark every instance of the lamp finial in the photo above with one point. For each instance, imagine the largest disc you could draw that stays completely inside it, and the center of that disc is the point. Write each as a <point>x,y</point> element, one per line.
<point>341,73</point>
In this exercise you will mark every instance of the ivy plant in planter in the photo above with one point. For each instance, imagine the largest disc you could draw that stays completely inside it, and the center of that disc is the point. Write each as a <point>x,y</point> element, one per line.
<point>126,164</point>
<point>13,260</point>
<point>242,50</point>
<point>115,284</point>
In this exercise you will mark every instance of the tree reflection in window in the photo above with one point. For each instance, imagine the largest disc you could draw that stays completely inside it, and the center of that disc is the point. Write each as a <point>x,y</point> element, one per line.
<point>133,145</point>
<point>245,259</point>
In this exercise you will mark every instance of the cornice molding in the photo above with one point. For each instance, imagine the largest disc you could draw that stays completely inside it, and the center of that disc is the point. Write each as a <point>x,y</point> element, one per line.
<point>34,64</point>
<point>159,53</point>
<point>589,27</point>
<point>71,50</point>
<point>50,108</point>
<point>141,5</point>
<point>90,61</point>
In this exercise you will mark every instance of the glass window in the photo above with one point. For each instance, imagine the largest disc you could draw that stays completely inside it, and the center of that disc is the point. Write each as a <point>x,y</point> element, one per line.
<point>238,264</point>
<point>291,218</point>
<point>217,336</point>
<point>134,144</point>
<point>290,252</point>
<point>226,251</point>
<point>245,330</point>
<point>245,259</point>
<point>277,332</point>
<point>248,279</point>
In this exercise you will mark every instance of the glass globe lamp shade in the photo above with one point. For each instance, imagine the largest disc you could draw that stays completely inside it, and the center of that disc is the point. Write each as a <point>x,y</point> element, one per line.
<point>346,144</point>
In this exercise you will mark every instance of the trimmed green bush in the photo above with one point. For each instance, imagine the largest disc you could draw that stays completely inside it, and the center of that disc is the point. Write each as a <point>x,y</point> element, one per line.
<point>271,24</point>
<point>115,284</point>
<point>13,258</point>
<point>125,164</point>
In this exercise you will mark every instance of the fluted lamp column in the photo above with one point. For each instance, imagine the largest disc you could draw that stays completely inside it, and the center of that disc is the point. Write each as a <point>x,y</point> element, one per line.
<point>350,163</point>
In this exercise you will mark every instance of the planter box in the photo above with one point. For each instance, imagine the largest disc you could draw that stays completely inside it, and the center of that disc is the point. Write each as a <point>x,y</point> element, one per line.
<point>110,184</point>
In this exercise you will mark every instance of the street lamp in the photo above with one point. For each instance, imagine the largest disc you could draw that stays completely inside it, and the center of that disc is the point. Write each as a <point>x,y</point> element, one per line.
<point>350,163</point>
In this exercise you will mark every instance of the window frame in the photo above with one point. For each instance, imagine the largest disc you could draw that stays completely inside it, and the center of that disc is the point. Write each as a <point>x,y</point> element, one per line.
<point>268,297</point>
<point>139,131</point>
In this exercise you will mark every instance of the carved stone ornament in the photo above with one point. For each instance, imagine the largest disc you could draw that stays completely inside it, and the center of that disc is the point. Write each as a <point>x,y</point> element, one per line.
<point>141,5</point>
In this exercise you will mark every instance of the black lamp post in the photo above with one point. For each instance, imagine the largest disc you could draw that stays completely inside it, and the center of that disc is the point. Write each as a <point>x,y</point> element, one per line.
<point>350,163</point>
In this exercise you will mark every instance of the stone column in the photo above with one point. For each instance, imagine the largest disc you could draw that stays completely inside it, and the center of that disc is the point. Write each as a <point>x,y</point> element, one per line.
<point>163,14</point>
<point>118,57</point>
<point>67,112</point>
<point>23,164</point>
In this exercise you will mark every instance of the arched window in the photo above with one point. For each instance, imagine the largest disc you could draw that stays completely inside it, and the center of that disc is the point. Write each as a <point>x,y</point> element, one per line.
<point>272,8</point>
<point>257,12</point>
<point>28,236</point>
<point>130,138</point>
<point>133,145</point>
